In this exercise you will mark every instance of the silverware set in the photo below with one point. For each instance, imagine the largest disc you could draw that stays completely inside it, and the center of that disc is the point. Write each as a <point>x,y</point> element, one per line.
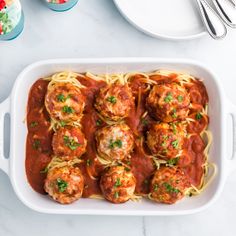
<point>216,20</point>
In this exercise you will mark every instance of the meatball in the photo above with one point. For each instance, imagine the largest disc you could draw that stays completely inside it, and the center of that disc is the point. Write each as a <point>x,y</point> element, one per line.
<point>168,102</point>
<point>117,184</point>
<point>166,140</point>
<point>65,184</point>
<point>168,185</point>
<point>65,102</point>
<point>69,141</point>
<point>114,101</point>
<point>114,142</point>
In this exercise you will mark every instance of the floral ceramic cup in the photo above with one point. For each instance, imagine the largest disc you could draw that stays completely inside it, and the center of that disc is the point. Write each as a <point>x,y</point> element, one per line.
<point>60,5</point>
<point>11,19</point>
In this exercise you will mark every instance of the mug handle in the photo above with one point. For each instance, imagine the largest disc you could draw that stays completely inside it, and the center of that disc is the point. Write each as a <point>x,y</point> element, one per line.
<point>4,109</point>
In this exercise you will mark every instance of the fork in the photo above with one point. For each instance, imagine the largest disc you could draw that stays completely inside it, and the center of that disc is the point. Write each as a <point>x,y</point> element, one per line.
<point>213,23</point>
<point>226,11</point>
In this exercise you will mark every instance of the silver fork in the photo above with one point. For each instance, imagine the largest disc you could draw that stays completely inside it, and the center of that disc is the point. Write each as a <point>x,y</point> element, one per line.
<point>213,23</point>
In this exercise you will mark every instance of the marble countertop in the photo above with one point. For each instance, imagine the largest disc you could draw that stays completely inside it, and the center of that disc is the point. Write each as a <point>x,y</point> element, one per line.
<point>96,29</point>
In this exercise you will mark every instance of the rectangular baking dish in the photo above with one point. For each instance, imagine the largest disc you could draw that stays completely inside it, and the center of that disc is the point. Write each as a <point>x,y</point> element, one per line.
<point>221,111</point>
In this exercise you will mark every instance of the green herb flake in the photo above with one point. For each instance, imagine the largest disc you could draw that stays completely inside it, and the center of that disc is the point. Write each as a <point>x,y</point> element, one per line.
<point>117,183</point>
<point>180,98</point>
<point>117,143</point>
<point>174,115</point>
<point>170,188</point>
<point>173,161</point>
<point>198,116</point>
<point>68,110</point>
<point>36,144</point>
<point>62,123</point>
<point>116,195</point>
<point>174,128</point>
<point>62,185</point>
<point>168,98</point>
<point>61,98</point>
<point>165,137</point>
<point>144,122</point>
<point>34,124</point>
<point>175,143</point>
<point>112,99</point>
<point>155,187</point>
<point>88,162</point>
<point>163,144</point>
<point>98,122</point>
<point>71,143</point>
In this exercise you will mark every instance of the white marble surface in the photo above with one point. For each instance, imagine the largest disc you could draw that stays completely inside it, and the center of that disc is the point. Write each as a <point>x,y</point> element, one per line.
<point>94,28</point>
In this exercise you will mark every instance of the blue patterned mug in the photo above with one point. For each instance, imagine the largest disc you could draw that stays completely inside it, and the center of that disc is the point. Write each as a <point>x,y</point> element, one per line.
<point>11,19</point>
<point>61,5</point>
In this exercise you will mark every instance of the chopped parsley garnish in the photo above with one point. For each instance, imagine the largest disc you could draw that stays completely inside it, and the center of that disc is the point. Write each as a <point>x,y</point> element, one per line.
<point>170,188</point>
<point>144,122</point>
<point>127,169</point>
<point>71,143</point>
<point>62,123</point>
<point>62,98</point>
<point>174,128</point>
<point>117,183</point>
<point>88,162</point>
<point>112,99</point>
<point>116,195</point>
<point>36,144</point>
<point>168,98</point>
<point>68,109</point>
<point>98,122</point>
<point>165,137</point>
<point>174,115</point>
<point>175,143</point>
<point>173,161</point>
<point>163,144</point>
<point>117,143</point>
<point>62,185</point>
<point>180,98</point>
<point>155,187</point>
<point>34,124</point>
<point>198,116</point>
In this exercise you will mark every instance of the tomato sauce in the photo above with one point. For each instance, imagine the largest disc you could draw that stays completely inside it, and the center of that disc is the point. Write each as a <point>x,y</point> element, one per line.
<point>39,139</point>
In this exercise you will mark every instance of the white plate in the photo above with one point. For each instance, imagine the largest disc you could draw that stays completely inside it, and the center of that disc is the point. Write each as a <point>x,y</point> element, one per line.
<point>170,19</point>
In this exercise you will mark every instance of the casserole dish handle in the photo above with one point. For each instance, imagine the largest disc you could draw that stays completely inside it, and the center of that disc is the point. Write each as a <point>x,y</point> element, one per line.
<point>4,109</point>
<point>231,162</point>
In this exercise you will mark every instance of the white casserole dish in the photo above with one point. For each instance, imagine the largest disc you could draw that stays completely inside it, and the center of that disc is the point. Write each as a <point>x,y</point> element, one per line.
<point>221,111</point>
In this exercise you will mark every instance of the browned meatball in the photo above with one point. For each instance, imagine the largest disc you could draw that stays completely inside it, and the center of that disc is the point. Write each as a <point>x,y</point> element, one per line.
<point>168,102</point>
<point>65,102</point>
<point>114,101</point>
<point>166,140</point>
<point>65,185</point>
<point>114,142</point>
<point>168,185</point>
<point>117,184</point>
<point>69,141</point>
